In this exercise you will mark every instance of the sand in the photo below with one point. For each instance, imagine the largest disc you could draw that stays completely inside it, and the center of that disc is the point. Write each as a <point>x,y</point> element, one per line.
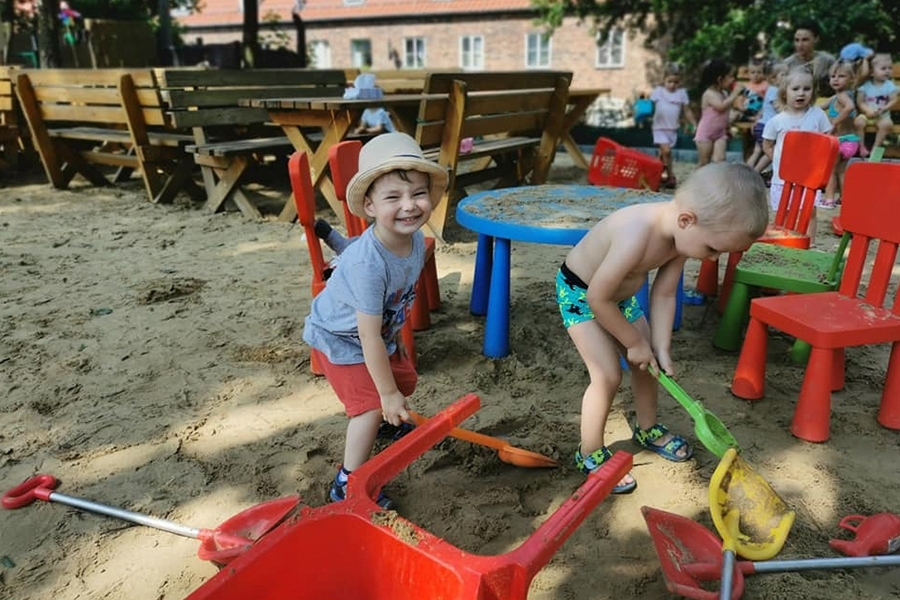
<point>152,360</point>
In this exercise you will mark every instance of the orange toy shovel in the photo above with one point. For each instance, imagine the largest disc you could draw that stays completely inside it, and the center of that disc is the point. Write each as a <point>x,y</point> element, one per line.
<point>505,451</point>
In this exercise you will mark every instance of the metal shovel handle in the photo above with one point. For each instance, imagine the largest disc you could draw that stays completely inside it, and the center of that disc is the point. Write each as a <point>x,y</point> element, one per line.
<point>40,487</point>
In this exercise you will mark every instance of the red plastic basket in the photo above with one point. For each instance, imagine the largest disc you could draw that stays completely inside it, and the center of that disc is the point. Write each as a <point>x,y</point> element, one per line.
<point>615,165</point>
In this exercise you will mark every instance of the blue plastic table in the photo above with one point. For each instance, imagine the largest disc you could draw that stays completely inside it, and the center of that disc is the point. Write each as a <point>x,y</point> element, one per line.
<point>540,214</point>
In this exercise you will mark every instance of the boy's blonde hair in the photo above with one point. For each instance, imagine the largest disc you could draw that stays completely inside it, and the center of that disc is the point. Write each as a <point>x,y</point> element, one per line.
<point>727,197</point>
<point>881,57</point>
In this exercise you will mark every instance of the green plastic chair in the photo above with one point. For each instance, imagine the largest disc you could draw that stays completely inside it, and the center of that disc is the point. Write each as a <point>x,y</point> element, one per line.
<point>781,268</point>
<point>777,268</point>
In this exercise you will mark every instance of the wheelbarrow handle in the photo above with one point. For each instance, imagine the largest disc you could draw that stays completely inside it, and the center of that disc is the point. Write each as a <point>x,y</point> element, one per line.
<point>38,487</point>
<point>540,547</point>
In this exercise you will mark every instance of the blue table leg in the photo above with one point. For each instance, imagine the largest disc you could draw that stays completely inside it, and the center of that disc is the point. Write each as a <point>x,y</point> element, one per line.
<point>481,284</point>
<point>496,328</point>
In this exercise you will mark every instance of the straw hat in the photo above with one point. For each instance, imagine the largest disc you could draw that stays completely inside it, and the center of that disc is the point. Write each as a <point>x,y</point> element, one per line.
<point>390,152</point>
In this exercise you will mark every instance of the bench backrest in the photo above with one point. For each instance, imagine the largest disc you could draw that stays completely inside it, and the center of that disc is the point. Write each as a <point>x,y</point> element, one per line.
<point>399,81</point>
<point>79,96</point>
<point>497,103</point>
<point>209,97</point>
<point>439,82</point>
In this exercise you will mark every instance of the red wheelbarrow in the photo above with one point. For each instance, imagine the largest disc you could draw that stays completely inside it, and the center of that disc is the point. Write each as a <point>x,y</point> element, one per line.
<point>354,549</point>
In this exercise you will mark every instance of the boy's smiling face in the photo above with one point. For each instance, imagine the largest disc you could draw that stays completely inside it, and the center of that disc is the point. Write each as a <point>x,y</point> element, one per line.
<point>399,202</point>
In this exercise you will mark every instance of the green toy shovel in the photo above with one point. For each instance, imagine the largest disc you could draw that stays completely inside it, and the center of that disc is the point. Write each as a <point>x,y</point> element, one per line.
<point>711,432</point>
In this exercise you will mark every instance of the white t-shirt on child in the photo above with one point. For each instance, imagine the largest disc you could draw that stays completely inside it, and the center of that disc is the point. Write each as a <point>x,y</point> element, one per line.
<point>814,119</point>
<point>667,109</point>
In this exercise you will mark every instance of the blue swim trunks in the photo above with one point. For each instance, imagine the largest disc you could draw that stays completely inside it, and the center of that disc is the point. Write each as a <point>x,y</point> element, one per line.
<point>571,296</point>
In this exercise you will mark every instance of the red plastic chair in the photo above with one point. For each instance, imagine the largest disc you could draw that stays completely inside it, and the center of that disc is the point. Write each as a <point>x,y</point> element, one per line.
<point>854,315</point>
<point>305,201</point>
<point>343,160</point>
<point>618,166</point>
<point>808,159</point>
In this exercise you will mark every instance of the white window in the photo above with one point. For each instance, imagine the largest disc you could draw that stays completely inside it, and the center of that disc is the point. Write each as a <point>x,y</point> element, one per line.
<point>321,54</point>
<point>414,53</point>
<point>471,52</point>
<point>354,2</point>
<point>360,53</point>
<point>611,52</point>
<point>537,51</point>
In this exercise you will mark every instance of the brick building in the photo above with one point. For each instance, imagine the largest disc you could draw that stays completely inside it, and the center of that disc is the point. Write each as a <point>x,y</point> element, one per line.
<point>435,34</point>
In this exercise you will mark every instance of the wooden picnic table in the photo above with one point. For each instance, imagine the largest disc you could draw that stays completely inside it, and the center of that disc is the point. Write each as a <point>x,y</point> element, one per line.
<point>579,101</point>
<point>335,119</point>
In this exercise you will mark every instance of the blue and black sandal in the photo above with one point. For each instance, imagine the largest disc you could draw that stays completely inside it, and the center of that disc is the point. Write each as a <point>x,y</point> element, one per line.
<point>593,461</point>
<point>645,438</point>
<point>386,431</point>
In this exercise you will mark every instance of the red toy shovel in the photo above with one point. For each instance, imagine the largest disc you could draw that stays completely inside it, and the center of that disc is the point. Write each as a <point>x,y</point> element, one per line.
<point>220,545</point>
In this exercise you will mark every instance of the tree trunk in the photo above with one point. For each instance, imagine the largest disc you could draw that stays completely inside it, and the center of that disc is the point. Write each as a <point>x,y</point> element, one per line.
<point>251,32</point>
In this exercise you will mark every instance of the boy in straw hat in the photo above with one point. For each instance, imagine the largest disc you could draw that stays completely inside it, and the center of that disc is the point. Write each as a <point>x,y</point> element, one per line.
<point>354,324</point>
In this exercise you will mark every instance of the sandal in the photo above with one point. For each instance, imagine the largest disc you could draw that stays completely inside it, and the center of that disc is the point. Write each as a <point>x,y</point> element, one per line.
<point>645,438</point>
<point>593,461</point>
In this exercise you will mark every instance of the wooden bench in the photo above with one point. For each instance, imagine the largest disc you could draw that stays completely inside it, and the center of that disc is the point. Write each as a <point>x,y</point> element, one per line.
<point>9,121</point>
<point>514,118</point>
<point>228,139</point>
<point>81,118</point>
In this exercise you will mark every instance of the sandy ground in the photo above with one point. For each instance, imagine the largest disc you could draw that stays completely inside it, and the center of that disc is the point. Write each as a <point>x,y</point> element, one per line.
<point>151,359</point>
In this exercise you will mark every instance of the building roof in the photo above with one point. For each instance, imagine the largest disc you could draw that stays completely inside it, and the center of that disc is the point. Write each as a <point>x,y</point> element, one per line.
<point>228,12</point>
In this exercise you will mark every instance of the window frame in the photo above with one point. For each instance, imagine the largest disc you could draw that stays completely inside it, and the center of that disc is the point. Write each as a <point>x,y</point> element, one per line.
<point>416,40</point>
<point>313,46</point>
<point>472,52</point>
<point>541,37</point>
<point>354,53</point>
<point>608,48</point>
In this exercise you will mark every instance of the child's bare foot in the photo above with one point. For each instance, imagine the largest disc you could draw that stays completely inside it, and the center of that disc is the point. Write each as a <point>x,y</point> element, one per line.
<point>863,151</point>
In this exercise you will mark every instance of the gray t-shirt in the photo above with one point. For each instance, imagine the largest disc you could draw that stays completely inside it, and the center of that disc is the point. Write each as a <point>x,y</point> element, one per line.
<point>369,279</point>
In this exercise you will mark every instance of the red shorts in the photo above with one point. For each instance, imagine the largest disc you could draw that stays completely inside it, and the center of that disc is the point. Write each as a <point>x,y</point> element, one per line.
<point>354,386</point>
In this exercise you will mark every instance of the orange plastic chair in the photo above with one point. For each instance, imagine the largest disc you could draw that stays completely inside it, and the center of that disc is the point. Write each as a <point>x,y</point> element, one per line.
<point>856,314</point>
<point>808,159</point>
<point>619,166</point>
<point>343,160</point>
<point>305,201</point>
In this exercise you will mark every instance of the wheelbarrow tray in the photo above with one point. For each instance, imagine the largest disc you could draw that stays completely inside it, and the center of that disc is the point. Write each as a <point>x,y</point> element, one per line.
<point>354,549</point>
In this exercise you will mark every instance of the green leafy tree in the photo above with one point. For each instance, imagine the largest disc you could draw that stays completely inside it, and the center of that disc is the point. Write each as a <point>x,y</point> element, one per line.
<point>692,31</point>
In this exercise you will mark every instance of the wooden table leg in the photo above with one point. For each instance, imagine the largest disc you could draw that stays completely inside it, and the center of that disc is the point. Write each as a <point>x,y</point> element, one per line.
<point>333,133</point>
<point>577,107</point>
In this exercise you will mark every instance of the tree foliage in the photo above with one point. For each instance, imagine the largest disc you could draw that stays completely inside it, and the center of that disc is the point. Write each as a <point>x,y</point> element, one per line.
<point>693,31</point>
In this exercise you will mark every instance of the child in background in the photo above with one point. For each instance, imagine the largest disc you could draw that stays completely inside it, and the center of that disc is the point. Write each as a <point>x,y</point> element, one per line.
<point>375,121</point>
<point>720,208</point>
<point>750,102</point>
<point>841,111</point>
<point>712,130</point>
<point>770,107</point>
<point>875,100</point>
<point>354,323</point>
<point>798,112</point>
<point>671,105</point>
